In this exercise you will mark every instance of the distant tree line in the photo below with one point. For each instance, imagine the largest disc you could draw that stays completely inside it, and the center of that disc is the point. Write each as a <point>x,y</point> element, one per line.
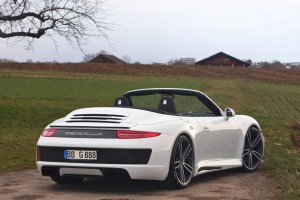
<point>264,64</point>
<point>5,60</point>
<point>274,65</point>
<point>174,61</point>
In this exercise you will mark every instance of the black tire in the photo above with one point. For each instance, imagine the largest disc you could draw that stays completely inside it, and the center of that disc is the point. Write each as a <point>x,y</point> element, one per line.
<point>66,180</point>
<point>181,164</point>
<point>253,150</point>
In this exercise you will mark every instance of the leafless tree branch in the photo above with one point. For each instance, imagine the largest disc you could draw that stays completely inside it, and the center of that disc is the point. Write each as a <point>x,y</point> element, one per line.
<point>75,20</point>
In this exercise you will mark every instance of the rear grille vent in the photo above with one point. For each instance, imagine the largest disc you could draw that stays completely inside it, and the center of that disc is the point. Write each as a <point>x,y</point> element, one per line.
<point>97,118</point>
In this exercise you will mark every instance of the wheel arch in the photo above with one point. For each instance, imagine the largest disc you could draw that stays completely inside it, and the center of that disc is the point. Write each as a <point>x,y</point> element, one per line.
<point>190,139</point>
<point>260,131</point>
<point>170,177</point>
<point>245,129</point>
<point>254,126</point>
<point>244,167</point>
<point>262,137</point>
<point>185,134</point>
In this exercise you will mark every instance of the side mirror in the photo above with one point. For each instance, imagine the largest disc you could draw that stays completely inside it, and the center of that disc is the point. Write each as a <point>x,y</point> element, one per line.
<point>229,112</point>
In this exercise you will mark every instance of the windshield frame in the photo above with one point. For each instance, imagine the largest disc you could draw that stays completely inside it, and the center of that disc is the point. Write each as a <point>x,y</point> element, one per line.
<point>211,105</point>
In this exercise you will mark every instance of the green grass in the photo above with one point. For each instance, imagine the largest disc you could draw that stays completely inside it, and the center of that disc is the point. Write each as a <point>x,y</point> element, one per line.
<point>277,108</point>
<point>29,100</point>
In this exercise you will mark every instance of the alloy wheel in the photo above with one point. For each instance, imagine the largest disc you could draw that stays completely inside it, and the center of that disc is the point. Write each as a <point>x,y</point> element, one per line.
<point>253,150</point>
<point>183,162</point>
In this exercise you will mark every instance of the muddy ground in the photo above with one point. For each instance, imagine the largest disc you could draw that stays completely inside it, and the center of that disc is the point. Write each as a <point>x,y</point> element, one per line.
<point>231,184</point>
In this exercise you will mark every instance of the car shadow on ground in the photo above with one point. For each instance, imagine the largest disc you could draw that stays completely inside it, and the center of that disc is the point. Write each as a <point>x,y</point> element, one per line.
<point>128,187</point>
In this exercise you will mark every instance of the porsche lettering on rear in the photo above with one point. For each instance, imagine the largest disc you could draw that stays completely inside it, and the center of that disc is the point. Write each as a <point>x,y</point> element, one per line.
<point>97,134</point>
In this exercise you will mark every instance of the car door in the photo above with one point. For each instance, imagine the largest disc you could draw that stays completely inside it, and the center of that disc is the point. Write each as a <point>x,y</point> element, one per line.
<point>221,137</point>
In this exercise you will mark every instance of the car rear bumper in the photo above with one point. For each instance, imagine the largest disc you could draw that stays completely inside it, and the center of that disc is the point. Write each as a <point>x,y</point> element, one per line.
<point>105,155</point>
<point>143,172</point>
<point>146,159</point>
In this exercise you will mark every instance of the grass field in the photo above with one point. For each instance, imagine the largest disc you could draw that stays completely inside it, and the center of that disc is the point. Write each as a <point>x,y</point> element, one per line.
<point>31,99</point>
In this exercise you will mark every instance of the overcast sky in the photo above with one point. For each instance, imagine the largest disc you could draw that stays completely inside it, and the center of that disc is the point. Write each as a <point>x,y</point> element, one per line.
<point>159,30</point>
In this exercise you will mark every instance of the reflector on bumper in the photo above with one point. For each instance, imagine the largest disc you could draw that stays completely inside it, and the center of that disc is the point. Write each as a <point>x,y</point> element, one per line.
<point>80,171</point>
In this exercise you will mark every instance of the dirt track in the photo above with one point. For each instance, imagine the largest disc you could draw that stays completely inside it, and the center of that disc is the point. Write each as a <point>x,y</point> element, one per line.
<point>30,185</point>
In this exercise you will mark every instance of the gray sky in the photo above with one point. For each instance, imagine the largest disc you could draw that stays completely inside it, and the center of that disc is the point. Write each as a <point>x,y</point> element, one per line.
<point>158,30</point>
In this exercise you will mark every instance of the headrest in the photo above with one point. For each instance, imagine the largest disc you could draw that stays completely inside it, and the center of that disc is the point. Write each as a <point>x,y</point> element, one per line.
<point>121,102</point>
<point>167,104</point>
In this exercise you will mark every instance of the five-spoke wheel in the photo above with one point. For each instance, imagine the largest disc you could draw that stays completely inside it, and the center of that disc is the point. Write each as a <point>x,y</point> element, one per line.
<point>253,150</point>
<point>181,163</point>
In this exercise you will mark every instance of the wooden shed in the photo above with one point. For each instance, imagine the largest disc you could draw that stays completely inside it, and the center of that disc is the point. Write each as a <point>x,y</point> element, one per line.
<point>222,59</point>
<point>110,59</point>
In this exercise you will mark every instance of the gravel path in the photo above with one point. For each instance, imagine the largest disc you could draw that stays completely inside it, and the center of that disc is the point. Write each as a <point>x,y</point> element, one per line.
<point>30,185</point>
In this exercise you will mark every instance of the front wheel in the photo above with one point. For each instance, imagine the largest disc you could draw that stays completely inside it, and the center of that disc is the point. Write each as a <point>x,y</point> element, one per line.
<point>253,150</point>
<point>181,163</point>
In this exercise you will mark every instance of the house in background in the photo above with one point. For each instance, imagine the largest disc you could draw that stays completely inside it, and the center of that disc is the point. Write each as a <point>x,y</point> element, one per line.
<point>109,59</point>
<point>293,65</point>
<point>222,59</point>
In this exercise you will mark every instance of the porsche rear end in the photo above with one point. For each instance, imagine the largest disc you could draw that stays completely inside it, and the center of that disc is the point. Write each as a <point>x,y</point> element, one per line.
<point>85,144</point>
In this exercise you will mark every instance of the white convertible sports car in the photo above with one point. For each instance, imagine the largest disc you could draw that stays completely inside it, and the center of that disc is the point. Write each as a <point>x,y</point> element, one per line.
<point>163,134</point>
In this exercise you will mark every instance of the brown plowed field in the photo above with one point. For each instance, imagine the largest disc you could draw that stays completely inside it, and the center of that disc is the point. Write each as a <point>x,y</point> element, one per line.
<point>268,75</point>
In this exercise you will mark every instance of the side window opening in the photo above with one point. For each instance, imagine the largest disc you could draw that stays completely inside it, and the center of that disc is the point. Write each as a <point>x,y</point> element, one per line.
<point>191,106</point>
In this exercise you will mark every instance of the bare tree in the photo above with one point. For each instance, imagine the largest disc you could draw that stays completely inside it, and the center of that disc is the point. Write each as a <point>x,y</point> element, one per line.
<point>88,57</point>
<point>75,20</point>
<point>174,61</point>
<point>137,63</point>
<point>275,65</point>
<point>127,59</point>
<point>103,52</point>
<point>5,60</point>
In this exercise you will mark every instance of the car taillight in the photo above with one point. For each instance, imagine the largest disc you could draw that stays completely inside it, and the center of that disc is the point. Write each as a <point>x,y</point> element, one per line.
<point>38,157</point>
<point>48,132</point>
<point>127,134</point>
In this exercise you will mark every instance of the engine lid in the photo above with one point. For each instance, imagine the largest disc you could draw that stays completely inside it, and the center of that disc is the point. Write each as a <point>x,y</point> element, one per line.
<point>112,117</point>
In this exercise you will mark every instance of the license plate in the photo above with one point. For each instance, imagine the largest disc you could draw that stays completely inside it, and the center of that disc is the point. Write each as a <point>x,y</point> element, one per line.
<point>80,155</point>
